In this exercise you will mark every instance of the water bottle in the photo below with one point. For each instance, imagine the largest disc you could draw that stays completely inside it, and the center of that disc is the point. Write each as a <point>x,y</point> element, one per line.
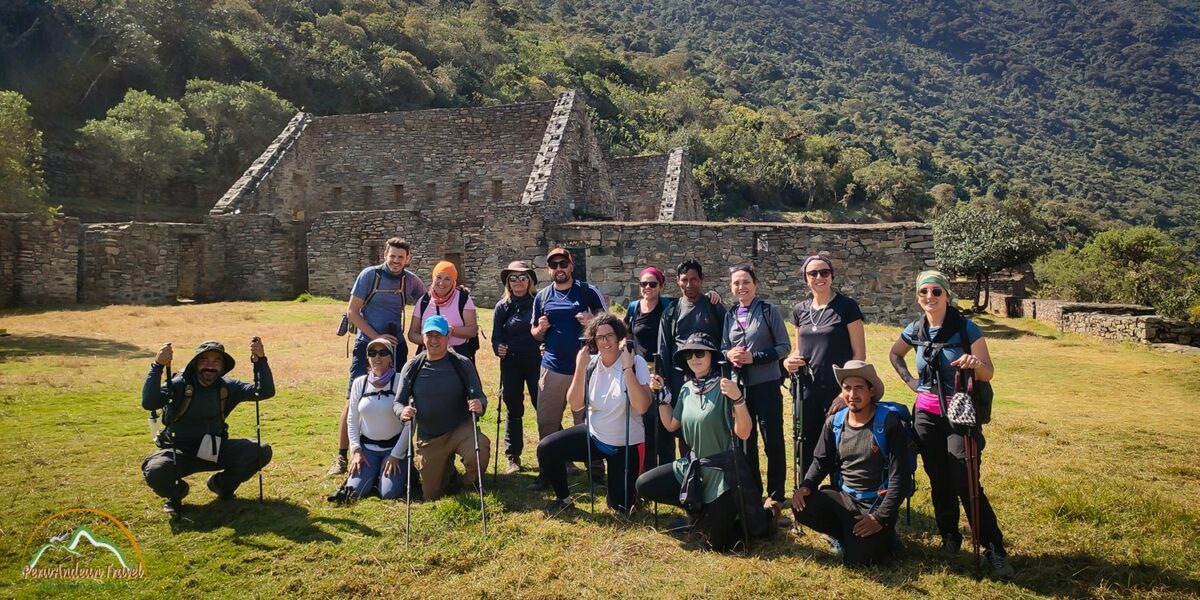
<point>152,421</point>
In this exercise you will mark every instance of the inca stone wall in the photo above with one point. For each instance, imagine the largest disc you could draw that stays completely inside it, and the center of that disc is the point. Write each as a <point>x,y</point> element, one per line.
<point>681,193</point>
<point>39,259</point>
<point>141,263</point>
<point>1112,322</point>
<point>639,179</point>
<point>875,264</point>
<point>263,258</point>
<point>340,244</point>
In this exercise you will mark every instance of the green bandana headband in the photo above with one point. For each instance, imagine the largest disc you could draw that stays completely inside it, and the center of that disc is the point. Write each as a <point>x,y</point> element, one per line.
<point>939,278</point>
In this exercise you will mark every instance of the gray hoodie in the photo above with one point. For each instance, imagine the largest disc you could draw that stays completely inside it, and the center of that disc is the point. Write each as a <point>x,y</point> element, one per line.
<point>765,336</point>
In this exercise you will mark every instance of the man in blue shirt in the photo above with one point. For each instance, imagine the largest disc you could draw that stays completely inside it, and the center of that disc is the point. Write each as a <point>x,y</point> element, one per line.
<point>560,312</point>
<point>377,306</point>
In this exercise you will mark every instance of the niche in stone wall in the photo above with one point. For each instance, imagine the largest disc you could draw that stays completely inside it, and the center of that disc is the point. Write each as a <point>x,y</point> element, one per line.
<point>367,193</point>
<point>398,194</point>
<point>189,251</point>
<point>579,258</point>
<point>464,192</point>
<point>430,193</point>
<point>497,189</point>
<point>336,203</point>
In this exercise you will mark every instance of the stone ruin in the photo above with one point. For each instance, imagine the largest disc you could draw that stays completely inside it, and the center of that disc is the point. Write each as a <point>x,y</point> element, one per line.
<point>476,186</point>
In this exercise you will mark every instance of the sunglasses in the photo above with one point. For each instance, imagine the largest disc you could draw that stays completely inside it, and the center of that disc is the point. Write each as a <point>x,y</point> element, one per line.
<point>375,353</point>
<point>648,284</point>
<point>694,354</point>
<point>819,273</point>
<point>558,264</point>
<point>518,278</point>
<point>937,292</point>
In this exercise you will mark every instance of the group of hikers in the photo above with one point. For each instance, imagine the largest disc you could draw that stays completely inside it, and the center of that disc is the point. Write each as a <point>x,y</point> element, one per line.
<point>682,376</point>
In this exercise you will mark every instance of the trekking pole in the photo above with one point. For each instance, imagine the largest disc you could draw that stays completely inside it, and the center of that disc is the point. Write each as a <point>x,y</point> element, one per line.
<point>626,453</point>
<point>972,452</point>
<point>412,432</point>
<point>499,414</point>
<point>587,426</point>
<point>657,422</point>
<point>257,420</point>
<point>737,476</point>
<point>479,467</point>
<point>171,437</point>
<point>797,431</point>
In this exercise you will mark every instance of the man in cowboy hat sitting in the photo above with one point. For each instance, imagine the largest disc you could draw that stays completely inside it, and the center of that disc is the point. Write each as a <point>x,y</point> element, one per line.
<point>195,438</point>
<point>857,512</point>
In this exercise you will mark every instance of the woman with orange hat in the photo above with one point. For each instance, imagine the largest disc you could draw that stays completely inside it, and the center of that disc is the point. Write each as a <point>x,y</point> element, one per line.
<point>452,301</point>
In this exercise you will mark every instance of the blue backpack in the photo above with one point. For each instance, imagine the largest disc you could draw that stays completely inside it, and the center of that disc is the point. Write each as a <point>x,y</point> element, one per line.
<point>909,452</point>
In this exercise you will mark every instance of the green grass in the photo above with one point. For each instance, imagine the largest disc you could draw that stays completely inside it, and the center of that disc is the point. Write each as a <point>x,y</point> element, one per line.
<point>1090,466</point>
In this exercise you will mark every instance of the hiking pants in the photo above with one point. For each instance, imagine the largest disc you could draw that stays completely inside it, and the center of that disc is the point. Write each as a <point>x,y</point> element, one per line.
<point>435,459</point>
<point>371,477</point>
<point>816,403</point>
<point>518,373</point>
<point>569,445</point>
<point>237,462</point>
<point>945,463</point>
<point>832,512</point>
<point>765,403</point>
<point>552,401</point>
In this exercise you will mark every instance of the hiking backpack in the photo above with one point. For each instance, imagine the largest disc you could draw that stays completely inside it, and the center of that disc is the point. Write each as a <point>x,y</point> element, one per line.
<point>982,393</point>
<point>908,452</point>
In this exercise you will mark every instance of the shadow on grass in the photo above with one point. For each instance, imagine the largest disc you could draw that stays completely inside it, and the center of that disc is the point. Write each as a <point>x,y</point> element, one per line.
<point>248,517</point>
<point>1059,575</point>
<point>16,346</point>
<point>45,308</point>
<point>1000,331</point>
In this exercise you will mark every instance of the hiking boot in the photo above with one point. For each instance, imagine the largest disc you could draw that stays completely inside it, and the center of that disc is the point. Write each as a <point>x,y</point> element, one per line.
<point>952,543</point>
<point>1001,568</point>
<point>215,488</point>
<point>173,505</point>
<point>539,485</point>
<point>557,506</point>
<point>514,466</point>
<point>339,466</point>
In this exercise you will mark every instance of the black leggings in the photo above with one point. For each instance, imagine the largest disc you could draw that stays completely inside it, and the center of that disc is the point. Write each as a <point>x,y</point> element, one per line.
<point>659,441</point>
<point>568,445</point>
<point>717,523</point>
<point>832,512</point>
<point>765,402</point>
<point>816,403</point>
<point>945,462</point>
<point>517,374</point>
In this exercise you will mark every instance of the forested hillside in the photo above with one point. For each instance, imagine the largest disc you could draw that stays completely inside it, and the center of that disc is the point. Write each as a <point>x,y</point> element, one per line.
<point>861,111</point>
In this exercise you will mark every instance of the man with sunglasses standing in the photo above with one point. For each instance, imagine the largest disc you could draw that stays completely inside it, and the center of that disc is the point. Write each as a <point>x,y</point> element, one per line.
<point>376,308</point>
<point>560,312</point>
<point>694,312</point>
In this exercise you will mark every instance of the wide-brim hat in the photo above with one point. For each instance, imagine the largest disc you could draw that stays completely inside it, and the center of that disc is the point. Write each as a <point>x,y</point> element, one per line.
<point>211,346</point>
<point>860,368</point>
<point>518,266</point>
<point>696,341</point>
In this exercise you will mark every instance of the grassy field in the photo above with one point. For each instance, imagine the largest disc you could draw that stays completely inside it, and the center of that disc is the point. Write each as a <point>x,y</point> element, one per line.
<point>1090,465</point>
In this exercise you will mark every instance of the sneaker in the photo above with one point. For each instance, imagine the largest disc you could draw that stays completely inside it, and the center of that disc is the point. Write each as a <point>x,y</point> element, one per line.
<point>339,466</point>
<point>952,543</point>
<point>538,485</point>
<point>216,489</point>
<point>557,506</point>
<point>1001,568</point>
<point>836,547</point>
<point>514,466</point>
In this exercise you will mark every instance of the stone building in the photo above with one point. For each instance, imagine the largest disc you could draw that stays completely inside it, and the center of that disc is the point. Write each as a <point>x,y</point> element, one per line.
<point>476,186</point>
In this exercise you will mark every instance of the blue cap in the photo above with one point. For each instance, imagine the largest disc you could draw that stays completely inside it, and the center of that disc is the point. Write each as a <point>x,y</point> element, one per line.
<point>436,323</point>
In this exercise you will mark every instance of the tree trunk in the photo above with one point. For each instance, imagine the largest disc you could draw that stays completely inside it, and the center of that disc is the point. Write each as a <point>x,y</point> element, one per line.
<point>978,285</point>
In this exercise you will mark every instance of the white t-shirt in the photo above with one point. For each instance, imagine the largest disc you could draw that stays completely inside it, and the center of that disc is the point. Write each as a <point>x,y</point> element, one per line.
<point>372,415</point>
<point>607,404</point>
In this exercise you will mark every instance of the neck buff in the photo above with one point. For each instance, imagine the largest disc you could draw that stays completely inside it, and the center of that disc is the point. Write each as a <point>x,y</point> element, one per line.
<point>382,380</point>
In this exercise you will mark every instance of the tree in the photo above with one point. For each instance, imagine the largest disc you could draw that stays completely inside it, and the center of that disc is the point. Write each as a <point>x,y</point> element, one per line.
<point>238,120</point>
<point>897,192</point>
<point>977,239</point>
<point>143,141</point>
<point>22,188</point>
<point>1136,265</point>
